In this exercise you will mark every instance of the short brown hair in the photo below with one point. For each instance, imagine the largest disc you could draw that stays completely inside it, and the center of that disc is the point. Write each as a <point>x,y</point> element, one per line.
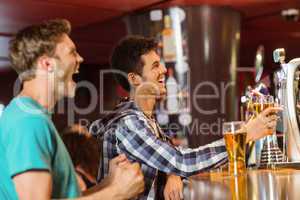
<point>33,42</point>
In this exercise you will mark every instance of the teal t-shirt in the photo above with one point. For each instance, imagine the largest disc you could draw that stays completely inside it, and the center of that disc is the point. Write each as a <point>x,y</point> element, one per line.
<point>7,188</point>
<point>31,142</point>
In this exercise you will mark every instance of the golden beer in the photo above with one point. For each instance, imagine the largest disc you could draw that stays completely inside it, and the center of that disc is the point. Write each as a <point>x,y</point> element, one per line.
<point>236,150</point>
<point>257,108</point>
<point>238,187</point>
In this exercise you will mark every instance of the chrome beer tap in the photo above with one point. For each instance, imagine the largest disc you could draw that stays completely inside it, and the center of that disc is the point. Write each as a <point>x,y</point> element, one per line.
<point>288,95</point>
<point>280,81</point>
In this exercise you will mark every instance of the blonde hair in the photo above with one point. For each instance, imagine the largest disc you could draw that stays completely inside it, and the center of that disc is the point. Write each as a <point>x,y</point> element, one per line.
<point>33,42</point>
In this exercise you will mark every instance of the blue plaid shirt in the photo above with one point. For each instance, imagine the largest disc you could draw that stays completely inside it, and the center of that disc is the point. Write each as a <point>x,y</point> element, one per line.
<point>129,131</point>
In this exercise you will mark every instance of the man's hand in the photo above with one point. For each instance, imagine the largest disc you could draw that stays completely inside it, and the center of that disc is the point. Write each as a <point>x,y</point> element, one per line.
<point>262,125</point>
<point>173,189</point>
<point>127,178</point>
<point>114,163</point>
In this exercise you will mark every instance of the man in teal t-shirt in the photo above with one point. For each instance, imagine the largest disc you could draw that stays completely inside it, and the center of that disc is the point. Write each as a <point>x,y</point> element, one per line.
<point>32,142</point>
<point>36,163</point>
<point>45,58</point>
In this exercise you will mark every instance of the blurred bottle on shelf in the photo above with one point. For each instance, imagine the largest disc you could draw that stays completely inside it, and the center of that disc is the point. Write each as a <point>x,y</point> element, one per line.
<point>168,41</point>
<point>172,93</point>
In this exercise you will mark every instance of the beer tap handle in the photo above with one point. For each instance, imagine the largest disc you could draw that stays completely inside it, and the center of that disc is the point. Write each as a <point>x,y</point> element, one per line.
<point>279,55</point>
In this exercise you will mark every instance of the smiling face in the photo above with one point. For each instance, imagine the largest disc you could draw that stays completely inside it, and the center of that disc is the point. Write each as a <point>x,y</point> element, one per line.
<point>67,62</point>
<point>152,79</point>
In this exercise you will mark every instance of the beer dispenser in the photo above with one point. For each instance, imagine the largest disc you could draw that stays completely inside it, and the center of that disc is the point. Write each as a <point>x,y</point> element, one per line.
<point>287,91</point>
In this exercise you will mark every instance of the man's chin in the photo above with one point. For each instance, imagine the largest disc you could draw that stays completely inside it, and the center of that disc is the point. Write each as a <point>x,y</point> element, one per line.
<point>70,92</point>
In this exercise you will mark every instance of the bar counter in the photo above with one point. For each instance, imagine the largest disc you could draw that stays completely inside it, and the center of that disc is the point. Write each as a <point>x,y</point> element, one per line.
<point>263,184</point>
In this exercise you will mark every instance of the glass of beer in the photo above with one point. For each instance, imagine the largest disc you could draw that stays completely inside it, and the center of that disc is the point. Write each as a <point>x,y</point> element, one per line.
<point>235,141</point>
<point>259,103</point>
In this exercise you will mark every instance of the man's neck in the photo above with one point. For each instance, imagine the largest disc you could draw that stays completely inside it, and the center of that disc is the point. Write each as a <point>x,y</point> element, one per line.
<point>40,93</point>
<point>145,103</point>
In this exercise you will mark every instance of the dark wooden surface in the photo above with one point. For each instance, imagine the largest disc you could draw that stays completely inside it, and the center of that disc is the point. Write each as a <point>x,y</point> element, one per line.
<point>281,184</point>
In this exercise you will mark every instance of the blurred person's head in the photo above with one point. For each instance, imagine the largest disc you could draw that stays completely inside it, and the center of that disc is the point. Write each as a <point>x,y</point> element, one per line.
<point>46,52</point>
<point>137,59</point>
<point>83,149</point>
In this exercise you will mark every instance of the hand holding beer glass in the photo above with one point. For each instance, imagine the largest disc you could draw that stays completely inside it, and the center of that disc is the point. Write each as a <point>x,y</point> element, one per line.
<point>262,117</point>
<point>259,103</point>
<point>270,152</point>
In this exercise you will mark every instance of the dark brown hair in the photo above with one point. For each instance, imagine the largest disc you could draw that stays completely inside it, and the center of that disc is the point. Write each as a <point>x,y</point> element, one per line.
<point>83,148</point>
<point>126,56</point>
<point>34,41</point>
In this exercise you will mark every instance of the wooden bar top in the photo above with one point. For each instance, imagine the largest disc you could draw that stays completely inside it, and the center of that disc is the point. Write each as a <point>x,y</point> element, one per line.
<point>277,184</point>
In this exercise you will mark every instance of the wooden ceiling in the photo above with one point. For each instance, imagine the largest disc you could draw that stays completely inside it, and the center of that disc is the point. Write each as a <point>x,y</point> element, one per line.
<point>97,24</point>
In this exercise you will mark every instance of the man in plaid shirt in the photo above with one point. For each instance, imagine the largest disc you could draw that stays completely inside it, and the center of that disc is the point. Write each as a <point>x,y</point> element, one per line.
<point>132,130</point>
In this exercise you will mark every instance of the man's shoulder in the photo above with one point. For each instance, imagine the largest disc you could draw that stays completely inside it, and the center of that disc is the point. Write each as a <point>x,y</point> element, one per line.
<point>130,118</point>
<point>15,122</point>
<point>19,109</point>
<point>15,117</point>
<point>123,113</point>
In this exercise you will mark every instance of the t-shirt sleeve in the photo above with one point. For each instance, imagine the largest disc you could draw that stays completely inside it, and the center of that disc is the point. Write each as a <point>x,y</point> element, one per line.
<point>30,146</point>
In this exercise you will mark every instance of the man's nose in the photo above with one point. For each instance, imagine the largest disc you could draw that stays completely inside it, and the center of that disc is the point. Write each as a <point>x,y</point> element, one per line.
<point>163,69</point>
<point>79,58</point>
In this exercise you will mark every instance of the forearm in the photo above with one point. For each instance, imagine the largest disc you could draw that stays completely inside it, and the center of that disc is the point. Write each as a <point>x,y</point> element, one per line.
<point>107,192</point>
<point>205,157</point>
<point>219,142</point>
<point>184,162</point>
<point>211,146</point>
<point>99,186</point>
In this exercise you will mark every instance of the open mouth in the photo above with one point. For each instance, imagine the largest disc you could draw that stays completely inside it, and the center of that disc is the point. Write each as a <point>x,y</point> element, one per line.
<point>75,75</point>
<point>161,80</point>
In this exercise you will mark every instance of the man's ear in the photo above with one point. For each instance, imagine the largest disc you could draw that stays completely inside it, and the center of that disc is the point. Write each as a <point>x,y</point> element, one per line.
<point>45,63</point>
<point>134,79</point>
